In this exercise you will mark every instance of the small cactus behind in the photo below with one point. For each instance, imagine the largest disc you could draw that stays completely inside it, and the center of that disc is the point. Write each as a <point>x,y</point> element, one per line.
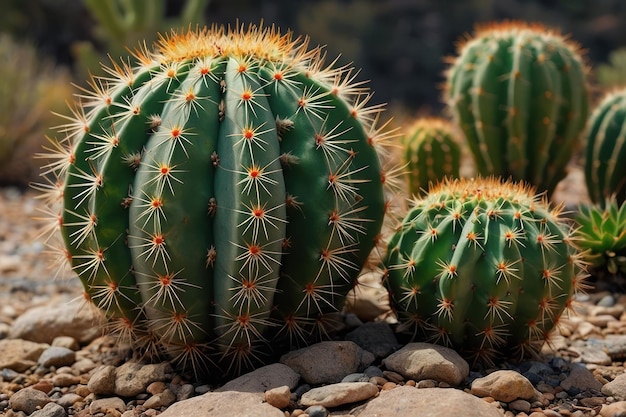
<point>483,266</point>
<point>519,92</point>
<point>431,151</point>
<point>219,199</point>
<point>605,170</point>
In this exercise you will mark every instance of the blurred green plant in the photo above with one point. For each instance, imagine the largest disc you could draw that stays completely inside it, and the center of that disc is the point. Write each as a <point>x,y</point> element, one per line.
<point>613,73</point>
<point>32,88</point>
<point>122,24</point>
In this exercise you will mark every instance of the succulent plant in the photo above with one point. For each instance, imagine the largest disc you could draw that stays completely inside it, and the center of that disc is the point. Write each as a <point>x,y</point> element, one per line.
<point>219,199</point>
<point>484,266</point>
<point>431,151</point>
<point>519,93</point>
<point>605,152</point>
<point>601,234</point>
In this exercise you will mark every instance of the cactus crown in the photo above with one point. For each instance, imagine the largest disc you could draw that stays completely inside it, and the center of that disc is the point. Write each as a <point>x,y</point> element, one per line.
<point>221,195</point>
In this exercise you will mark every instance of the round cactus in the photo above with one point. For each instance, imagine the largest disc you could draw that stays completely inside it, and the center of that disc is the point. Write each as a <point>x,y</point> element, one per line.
<point>221,195</point>
<point>483,266</point>
<point>431,152</point>
<point>605,148</point>
<point>519,93</point>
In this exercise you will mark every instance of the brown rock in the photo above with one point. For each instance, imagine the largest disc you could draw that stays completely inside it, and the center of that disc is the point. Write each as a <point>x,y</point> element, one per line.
<point>504,386</point>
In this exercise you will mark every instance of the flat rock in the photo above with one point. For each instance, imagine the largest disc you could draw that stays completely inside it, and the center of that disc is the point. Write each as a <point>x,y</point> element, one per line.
<point>420,361</point>
<point>133,378</point>
<point>431,402</point>
<point>263,379</point>
<point>19,355</point>
<point>503,385</point>
<point>327,362</point>
<point>220,404</point>
<point>44,324</point>
<point>334,395</point>
<point>580,377</point>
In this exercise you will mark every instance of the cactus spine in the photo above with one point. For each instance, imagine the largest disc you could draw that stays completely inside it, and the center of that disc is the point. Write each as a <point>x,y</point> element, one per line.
<point>483,266</point>
<point>519,93</point>
<point>605,173</point>
<point>431,152</point>
<point>224,191</point>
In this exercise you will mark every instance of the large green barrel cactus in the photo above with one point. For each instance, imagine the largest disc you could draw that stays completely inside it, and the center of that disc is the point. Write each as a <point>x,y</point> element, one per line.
<point>519,93</point>
<point>483,266</point>
<point>431,151</point>
<point>223,192</point>
<point>605,171</point>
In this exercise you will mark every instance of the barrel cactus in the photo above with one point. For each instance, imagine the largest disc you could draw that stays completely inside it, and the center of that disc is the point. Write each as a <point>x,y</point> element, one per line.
<point>519,93</point>
<point>431,151</point>
<point>219,198</point>
<point>605,172</point>
<point>483,266</point>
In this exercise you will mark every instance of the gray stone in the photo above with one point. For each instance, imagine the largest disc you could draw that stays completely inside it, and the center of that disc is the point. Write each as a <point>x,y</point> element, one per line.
<point>580,377</point>
<point>57,356</point>
<point>102,382</point>
<point>376,337</point>
<point>220,404</point>
<point>163,399</point>
<point>263,379</point>
<point>431,402</point>
<point>50,410</point>
<point>19,355</point>
<point>503,385</point>
<point>616,388</point>
<point>334,395</point>
<point>44,324</point>
<point>133,378</point>
<point>28,400</point>
<point>327,362</point>
<point>69,399</point>
<point>419,361</point>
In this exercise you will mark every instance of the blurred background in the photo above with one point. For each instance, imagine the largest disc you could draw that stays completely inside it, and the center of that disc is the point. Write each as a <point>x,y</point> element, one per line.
<point>46,45</point>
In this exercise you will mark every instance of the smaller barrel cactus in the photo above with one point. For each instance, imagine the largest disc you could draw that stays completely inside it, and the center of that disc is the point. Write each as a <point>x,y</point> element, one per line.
<point>605,148</point>
<point>484,266</point>
<point>519,93</point>
<point>601,233</point>
<point>431,151</point>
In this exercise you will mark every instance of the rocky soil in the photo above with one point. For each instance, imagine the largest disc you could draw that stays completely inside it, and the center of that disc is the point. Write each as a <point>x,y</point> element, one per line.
<point>54,362</point>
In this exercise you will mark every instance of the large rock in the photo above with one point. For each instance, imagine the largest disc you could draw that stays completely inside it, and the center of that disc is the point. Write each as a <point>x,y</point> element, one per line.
<point>419,361</point>
<point>431,402</point>
<point>220,404</point>
<point>44,324</point>
<point>19,355</point>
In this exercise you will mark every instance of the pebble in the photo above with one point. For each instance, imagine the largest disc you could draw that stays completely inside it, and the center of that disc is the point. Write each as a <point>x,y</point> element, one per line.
<point>133,378</point>
<point>263,379</point>
<point>105,405</point>
<point>57,356</point>
<point>28,400</point>
<point>102,382</point>
<point>503,385</point>
<point>279,397</point>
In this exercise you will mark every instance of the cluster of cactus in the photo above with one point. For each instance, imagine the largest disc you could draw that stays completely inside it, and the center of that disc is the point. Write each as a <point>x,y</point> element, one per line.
<point>601,235</point>
<point>431,152</point>
<point>484,266</point>
<point>605,172</point>
<point>519,93</point>
<point>219,199</point>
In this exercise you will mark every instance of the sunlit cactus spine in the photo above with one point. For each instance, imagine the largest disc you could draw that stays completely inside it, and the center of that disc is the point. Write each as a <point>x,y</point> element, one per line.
<point>221,195</point>
<point>483,266</point>
<point>519,92</point>
<point>431,151</point>
<point>605,170</point>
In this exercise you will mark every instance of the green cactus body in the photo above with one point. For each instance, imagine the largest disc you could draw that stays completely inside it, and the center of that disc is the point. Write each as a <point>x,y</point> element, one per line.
<point>519,93</point>
<point>482,266</point>
<point>605,175</point>
<point>432,152</point>
<point>222,193</point>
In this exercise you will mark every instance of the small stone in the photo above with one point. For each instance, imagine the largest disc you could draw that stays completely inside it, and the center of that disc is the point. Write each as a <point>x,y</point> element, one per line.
<point>616,388</point>
<point>50,410</point>
<point>376,380</point>
<point>606,301</point>
<point>19,355</point>
<point>106,405</point>
<point>428,361</point>
<point>278,397</point>
<point>376,337</point>
<point>185,392</point>
<point>65,380</point>
<point>427,383</point>
<point>66,342</point>
<point>327,362</point>
<point>57,356</point>
<point>133,378</point>
<point>262,379</point>
<point>156,387</point>
<point>83,366</point>
<point>69,399</point>
<point>581,378</point>
<point>316,411</point>
<point>373,371</point>
<point>520,406</point>
<point>163,399</point>
<point>503,385</point>
<point>28,400</point>
<point>334,395</point>
<point>356,377</point>
<point>591,355</point>
<point>617,409</point>
<point>43,385</point>
<point>102,382</point>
